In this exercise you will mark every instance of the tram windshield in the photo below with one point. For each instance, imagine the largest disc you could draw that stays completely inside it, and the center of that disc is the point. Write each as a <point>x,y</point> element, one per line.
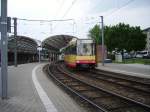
<point>85,49</point>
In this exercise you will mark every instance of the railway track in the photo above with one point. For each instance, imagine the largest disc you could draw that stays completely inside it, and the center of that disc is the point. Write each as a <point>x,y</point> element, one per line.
<point>102,99</point>
<point>143,85</point>
<point>134,90</point>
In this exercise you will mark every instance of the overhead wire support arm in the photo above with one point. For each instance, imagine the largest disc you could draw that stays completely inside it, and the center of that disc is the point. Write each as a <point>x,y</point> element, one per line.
<point>46,20</point>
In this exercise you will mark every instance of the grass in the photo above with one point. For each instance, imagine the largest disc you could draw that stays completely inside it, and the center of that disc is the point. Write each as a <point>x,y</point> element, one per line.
<point>135,60</point>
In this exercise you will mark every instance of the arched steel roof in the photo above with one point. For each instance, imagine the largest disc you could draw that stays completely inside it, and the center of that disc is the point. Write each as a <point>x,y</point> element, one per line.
<point>56,42</point>
<point>24,44</point>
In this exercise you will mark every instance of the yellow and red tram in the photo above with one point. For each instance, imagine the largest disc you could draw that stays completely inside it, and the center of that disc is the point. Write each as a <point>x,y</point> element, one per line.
<point>80,53</point>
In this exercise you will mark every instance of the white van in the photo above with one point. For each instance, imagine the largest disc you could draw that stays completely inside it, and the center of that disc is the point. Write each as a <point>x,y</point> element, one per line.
<point>143,54</point>
<point>146,54</point>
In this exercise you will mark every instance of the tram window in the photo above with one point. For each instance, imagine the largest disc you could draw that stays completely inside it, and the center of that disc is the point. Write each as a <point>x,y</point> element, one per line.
<point>72,49</point>
<point>93,48</point>
<point>85,49</point>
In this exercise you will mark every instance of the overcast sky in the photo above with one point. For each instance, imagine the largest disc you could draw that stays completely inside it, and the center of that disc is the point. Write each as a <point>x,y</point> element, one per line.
<point>84,12</point>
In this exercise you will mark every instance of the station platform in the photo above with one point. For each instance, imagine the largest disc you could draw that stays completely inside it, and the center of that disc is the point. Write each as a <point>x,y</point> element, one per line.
<point>138,70</point>
<point>30,90</point>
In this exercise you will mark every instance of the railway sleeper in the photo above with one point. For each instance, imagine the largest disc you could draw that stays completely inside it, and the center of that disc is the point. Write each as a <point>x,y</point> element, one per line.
<point>99,97</point>
<point>111,103</point>
<point>129,108</point>
<point>80,89</point>
<point>74,84</point>
<point>84,90</point>
<point>94,93</point>
<point>65,79</point>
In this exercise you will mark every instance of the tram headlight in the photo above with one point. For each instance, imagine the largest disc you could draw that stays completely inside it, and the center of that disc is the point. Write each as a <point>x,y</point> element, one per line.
<point>77,61</point>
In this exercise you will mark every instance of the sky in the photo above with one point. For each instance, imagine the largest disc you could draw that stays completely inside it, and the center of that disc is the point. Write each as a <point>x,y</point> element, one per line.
<point>84,14</point>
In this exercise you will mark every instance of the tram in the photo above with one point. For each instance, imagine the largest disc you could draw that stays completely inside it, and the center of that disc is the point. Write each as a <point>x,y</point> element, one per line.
<point>80,53</point>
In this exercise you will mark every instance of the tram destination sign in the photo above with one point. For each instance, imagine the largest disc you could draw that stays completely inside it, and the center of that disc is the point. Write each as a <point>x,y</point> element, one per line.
<point>85,41</point>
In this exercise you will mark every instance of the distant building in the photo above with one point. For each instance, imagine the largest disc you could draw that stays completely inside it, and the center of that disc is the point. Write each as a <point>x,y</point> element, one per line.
<point>147,32</point>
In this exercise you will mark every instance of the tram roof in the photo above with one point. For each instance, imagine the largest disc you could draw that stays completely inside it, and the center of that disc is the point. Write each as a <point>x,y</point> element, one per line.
<point>56,42</point>
<point>24,44</point>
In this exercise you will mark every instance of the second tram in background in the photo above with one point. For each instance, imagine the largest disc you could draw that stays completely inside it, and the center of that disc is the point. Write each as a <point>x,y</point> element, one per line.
<point>80,53</point>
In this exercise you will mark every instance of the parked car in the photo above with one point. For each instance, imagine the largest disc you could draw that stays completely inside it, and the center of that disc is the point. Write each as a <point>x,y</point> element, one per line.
<point>108,61</point>
<point>146,54</point>
<point>126,56</point>
<point>139,56</point>
<point>143,54</point>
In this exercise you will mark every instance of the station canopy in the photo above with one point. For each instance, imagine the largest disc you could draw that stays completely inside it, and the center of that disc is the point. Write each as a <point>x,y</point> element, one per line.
<point>55,43</point>
<point>24,44</point>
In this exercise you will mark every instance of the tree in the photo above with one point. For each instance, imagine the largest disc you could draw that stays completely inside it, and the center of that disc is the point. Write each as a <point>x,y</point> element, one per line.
<point>121,36</point>
<point>94,33</point>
